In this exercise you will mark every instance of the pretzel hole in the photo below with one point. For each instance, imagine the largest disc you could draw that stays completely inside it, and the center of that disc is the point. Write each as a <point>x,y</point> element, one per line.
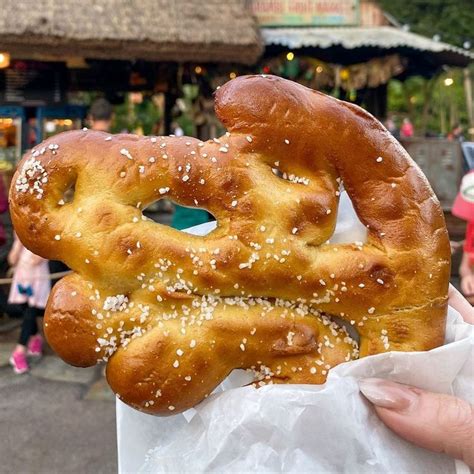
<point>351,329</point>
<point>277,172</point>
<point>168,203</point>
<point>349,228</point>
<point>69,192</point>
<point>290,177</point>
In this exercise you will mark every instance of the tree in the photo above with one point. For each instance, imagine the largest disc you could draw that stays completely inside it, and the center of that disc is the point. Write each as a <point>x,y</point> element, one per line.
<point>452,20</point>
<point>431,104</point>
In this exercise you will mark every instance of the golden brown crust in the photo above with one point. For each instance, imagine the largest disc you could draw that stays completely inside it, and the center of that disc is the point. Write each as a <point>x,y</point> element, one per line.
<point>252,294</point>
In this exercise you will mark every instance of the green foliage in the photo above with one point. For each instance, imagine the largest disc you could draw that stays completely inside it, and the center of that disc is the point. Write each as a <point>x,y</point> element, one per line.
<point>186,119</point>
<point>453,20</point>
<point>136,117</point>
<point>430,104</point>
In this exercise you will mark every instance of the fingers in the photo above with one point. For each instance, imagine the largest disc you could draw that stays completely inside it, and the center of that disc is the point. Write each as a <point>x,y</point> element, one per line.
<point>467,285</point>
<point>455,246</point>
<point>434,421</point>
<point>461,305</point>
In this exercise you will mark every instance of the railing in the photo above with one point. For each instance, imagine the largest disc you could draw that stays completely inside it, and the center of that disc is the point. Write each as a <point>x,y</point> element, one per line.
<point>442,162</point>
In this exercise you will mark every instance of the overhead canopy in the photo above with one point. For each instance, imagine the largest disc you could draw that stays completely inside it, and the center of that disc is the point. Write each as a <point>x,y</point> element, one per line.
<point>355,44</point>
<point>155,30</point>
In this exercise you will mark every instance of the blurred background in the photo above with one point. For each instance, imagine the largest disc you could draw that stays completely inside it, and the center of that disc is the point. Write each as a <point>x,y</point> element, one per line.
<point>151,67</point>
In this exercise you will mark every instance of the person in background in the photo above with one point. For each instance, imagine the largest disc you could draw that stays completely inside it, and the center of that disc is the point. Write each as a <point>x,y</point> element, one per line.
<point>466,271</point>
<point>3,209</point>
<point>176,130</point>
<point>456,134</point>
<point>406,130</point>
<point>3,241</point>
<point>392,127</point>
<point>463,208</point>
<point>100,115</point>
<point>30,289</point>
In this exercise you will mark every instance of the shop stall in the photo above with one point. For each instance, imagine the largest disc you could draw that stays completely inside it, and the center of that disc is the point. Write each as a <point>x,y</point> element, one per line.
<point>54,61</point>
<point>139,46</point>
<point>51,120</point>
<point>349,48</point>
<point>12,124</point>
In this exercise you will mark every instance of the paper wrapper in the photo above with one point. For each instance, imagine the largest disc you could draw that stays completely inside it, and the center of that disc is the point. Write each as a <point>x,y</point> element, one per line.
<point>302,428</point>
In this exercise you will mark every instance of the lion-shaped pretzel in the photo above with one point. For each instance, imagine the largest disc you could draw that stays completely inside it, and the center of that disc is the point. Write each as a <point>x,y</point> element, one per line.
<point>173,314</point>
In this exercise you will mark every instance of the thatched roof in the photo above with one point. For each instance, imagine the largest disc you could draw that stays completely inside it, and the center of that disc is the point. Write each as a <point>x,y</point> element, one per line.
<point>353,39</point>
<point>156,30</point>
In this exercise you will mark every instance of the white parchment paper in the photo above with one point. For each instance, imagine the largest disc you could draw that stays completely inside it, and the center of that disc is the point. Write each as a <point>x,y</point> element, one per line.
<point>302,428</point>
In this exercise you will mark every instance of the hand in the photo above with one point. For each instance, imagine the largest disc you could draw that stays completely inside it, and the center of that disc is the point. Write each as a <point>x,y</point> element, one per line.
<point>467,285</point>
<point>35,260</point>
<point>11,259</point>
<point>466,272</point>
<point>434,421</point>
<point>14,253</point>
<point>455,246</point>
<point>461,305</point>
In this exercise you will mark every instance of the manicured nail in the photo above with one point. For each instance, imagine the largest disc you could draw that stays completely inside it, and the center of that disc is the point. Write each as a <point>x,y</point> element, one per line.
<point>387,394</point>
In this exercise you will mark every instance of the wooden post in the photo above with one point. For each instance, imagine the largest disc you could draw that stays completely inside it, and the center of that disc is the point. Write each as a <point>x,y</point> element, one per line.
<point>442,110</point>
<point>428,87</point>
<point>452,110</point>
<point>170,100</point>
<point>469,101</point>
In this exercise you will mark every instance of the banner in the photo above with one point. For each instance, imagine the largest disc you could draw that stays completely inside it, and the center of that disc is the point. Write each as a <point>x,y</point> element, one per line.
<point>306,12</point>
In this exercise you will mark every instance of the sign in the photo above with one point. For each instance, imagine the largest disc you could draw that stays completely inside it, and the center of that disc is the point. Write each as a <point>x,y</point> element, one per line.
<point>33,83</point>
<point>306,12</point>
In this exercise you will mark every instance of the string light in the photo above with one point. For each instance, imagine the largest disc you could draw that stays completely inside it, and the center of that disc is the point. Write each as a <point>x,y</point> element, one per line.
<point>449,81</point>
<point>4,60</point>
<point>232,75</point>
<point>344,74</point>
<point>319,69</point>
<point>198,69</point>
<point>290,56</point>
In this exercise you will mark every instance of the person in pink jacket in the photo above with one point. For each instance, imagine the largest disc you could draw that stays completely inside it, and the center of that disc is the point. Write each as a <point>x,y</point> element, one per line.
<point>3,209</point>
<point>30,288</point>
<point>407,130</point>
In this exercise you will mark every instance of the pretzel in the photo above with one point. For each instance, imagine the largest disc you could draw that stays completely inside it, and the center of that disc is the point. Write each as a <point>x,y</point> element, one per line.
<point>173,314</point>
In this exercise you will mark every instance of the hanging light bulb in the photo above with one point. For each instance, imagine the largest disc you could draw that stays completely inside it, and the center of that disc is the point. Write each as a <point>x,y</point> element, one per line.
<point>4,60</point>
<point>344,74</point>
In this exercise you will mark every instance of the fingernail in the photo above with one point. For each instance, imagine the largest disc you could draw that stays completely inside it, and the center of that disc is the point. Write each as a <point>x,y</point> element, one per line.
<point>387,394</point>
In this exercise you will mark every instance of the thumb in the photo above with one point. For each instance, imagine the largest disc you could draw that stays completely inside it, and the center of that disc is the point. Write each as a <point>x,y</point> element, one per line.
<point>433,421</point>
